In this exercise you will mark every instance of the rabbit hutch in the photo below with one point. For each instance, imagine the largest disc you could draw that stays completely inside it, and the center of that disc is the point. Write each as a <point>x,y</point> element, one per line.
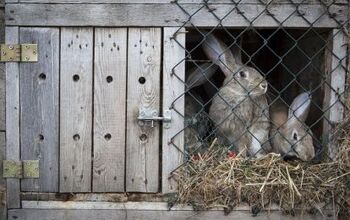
<point>160,109</point>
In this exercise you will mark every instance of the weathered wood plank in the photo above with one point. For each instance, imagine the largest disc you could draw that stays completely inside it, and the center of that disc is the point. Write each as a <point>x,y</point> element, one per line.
<point>173,88</point>
<point>12,119</point>
<point>338,73</point>
<point>143,205</point>
<point>109,109</point>
<point>95,197</point>
<point>165,15</point>
<point>76,109</point>
<point>2,73</point>
<point>65,214</point>
<point>10,1</point>
<point>190,1</point>
<point>155,206</point>
<point>2,96</point>
<point>3,210</point>
<point>39,89</point>
<point>334,88</point>
<point>142,149</point>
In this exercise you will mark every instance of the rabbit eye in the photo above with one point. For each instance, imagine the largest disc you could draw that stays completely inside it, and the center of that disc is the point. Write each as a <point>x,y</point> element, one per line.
<point>295,136</point>
<point>242,74</point>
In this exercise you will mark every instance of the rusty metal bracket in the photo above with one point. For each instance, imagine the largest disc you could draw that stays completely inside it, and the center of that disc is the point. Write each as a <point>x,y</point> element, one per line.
<point>26,169</point>
<point>19,53</point>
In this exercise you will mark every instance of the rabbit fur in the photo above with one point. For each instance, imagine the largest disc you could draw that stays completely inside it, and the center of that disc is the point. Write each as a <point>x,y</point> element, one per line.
<point>290,137</point>
<point>239,110</point>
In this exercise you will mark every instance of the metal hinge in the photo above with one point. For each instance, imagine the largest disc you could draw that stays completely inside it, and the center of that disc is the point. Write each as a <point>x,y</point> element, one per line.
<point>19,53</point>
<point>26,169</point>
<point>148,116</point>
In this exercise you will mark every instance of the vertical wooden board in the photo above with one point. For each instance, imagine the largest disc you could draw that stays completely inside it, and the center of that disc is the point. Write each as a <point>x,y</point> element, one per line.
<point>142,149</point>
<point>2,97</point>
<point>3,209</point>
<point>39,89</point>
<point>109,109</point>
<point>2,71</point>
<point>335,70</point>
<point>76,109</point>
<point>338,73</point>
<point>173,88</point>
<point>12,119</point>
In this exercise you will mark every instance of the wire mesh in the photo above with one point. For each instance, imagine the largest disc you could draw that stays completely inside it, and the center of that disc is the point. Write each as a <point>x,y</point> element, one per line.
<point>255,90</point>
<point>261,90</point>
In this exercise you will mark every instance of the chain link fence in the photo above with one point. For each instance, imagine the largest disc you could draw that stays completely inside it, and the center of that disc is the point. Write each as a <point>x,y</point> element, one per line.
<point>259,90</point>
<point>252,90</point>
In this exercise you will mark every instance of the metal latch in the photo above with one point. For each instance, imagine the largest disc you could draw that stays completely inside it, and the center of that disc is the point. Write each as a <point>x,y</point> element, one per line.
<point>19,53</point>
<point>26,169</point>
<point>151,115</point>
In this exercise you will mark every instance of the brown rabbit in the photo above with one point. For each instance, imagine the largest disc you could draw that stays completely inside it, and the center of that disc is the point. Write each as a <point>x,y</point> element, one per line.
<point>290,137</point>
<point>239,110</point>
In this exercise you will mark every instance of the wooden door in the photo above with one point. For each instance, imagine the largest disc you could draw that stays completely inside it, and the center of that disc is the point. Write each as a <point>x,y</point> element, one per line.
<point>78,108</point>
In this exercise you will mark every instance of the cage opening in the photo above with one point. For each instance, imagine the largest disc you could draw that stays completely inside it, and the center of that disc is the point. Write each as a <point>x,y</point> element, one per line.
<point>291,60</point>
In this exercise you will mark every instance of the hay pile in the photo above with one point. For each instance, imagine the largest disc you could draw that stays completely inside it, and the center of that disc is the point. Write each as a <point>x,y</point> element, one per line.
<point>219,179</point>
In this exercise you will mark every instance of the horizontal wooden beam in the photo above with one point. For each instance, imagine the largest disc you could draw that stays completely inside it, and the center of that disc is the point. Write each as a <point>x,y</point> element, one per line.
<point>75,214</point>
<point>167,15</point>
<point>155,206</point>
<point>100,197</point>
<point>326,2</point>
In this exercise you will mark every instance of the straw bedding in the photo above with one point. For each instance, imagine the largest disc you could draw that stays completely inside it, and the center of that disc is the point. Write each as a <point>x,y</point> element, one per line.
<point>220,179</point>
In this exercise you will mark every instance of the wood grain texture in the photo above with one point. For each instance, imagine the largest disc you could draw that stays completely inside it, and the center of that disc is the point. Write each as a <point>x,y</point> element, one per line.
<point>334,87</point>
<point>155,206</point>
<point>3,210</point>
<point>142,149</point>
<point>187,1</point>
<point>69,214</point>
<point>2,97</point>
<point>12,119</point>
<point>338,73</point>
<point>39,89</point>
<point>10,1</point>
<point>109,109</point>
<point>173,88</point>
<point>2,72</point>
<point>165,15</point>
<point>76,109</point>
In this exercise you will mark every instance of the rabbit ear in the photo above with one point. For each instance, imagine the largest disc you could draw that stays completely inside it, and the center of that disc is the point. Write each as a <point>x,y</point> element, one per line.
<point>237,53</point>
<point>300,106</point>
<point>201,74</point>
<point>218,53</point>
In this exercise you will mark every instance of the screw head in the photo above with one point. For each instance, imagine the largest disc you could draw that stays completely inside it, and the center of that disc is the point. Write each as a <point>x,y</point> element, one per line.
<point>155,113</point>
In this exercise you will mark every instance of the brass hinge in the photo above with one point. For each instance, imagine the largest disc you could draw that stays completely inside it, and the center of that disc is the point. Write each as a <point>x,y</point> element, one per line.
<point>26,169</point>
<point>19,53</point>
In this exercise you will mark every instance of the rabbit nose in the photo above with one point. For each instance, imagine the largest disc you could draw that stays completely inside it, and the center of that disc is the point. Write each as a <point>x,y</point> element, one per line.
<point>263,85</point>
<point>290,157</point>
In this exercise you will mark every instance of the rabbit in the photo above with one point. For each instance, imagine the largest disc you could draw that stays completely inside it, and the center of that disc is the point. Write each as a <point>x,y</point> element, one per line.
<point>239,110</point>
<point>197,121</point>
<point>290,137</point>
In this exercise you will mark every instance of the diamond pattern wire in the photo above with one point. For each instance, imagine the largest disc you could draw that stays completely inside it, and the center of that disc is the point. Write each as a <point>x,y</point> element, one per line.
<point>260,90</point>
